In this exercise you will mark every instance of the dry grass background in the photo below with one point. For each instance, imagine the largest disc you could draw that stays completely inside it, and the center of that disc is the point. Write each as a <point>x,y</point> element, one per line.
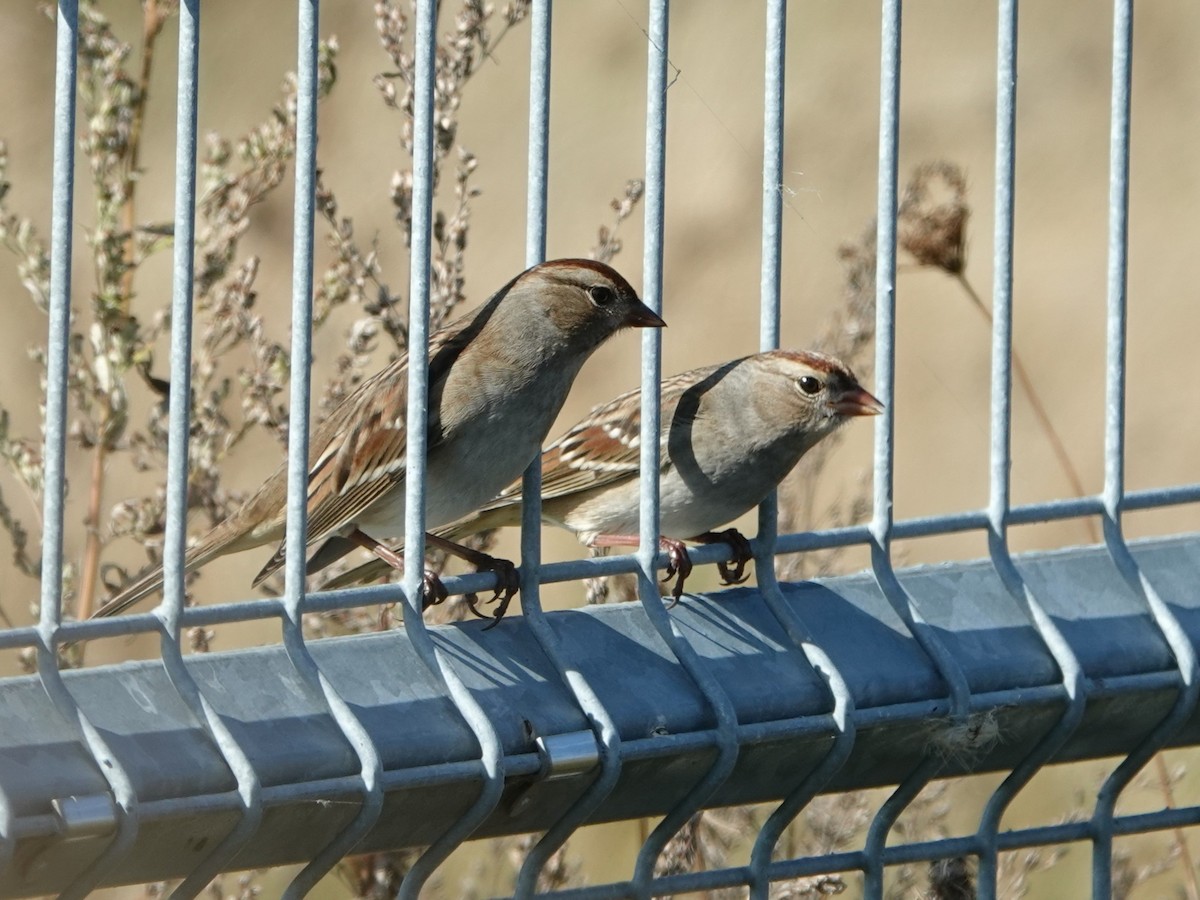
<point>712,237</point>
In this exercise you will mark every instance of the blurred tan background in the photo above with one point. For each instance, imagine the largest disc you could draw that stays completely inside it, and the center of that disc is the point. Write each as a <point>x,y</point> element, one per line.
<point>712,220</point>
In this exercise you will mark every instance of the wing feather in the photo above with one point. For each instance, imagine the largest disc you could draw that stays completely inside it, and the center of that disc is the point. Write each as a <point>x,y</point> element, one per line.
<point>358,453</point>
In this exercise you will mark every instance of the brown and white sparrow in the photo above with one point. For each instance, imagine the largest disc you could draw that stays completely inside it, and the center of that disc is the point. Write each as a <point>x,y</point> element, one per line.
<point>730,433</point>
<point>497,379</point>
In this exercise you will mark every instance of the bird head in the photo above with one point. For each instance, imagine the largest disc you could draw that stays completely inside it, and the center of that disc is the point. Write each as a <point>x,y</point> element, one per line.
<point>818,391</point>
<point>586,301</point>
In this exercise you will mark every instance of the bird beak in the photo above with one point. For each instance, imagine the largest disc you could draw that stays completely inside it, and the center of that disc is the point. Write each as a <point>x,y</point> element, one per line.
<point>857,402</point>
<point>642,316</point>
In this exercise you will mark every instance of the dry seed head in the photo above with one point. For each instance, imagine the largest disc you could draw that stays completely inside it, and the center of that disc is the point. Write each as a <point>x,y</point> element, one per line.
<point>932,217</point>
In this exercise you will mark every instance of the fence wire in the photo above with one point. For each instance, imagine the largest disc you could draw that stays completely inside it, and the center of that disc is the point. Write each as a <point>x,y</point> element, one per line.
<point>171,769</point>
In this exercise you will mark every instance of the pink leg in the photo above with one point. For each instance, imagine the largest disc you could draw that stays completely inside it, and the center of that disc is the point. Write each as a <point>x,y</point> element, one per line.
<point>678,562</point>
<point>508,580</point>
<point>432,589</point>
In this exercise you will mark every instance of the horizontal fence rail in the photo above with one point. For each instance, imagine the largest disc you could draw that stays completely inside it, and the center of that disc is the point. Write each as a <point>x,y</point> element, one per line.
<point>64,816</point>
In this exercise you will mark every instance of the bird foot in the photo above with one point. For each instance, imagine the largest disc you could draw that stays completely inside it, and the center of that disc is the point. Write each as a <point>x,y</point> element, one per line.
<point>734,570</point>
<point>508,583</point>
<point>679,566</point>
<point>433,591</point>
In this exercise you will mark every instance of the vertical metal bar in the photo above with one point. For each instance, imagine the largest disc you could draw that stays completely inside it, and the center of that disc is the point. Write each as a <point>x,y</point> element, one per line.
<point>539,143</point>
<point>999,498</point>
<point>602,724</point>
<point>1114,461</point>
<point>179,409</point>
<point>1114,419</point>
<point>491,753</point>
<point>885,296</point>
<point>417,418</point>
<point>727,747</point>
<point>535,252</point>
<point>772,187</point>
<point>301,352</point>
<point>772,230</point>
<point>1118,241</point>
<point>651,367</point>
<point>8,841</point>
<point>769,307</point>
<point>54,458</point>
<point>885,351</point>
<point>999,504</point>
<point>656,153</point>
<point>177,466</point>
<point>882,518</point>
<point>297,505</point>
<point>50,618</point>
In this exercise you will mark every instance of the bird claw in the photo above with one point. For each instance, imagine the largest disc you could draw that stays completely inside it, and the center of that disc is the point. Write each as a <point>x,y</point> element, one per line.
<point>433,591</point>
<point>736,574</point>
<point>679,566</point>
<point>733,571</point>
<point>508,583</point>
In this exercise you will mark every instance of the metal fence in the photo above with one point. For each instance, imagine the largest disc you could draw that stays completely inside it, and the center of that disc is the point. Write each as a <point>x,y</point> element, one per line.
<point>305,751</point>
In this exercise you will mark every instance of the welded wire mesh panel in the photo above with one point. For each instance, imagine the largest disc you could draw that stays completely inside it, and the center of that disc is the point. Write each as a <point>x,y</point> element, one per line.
<point>373,761</point>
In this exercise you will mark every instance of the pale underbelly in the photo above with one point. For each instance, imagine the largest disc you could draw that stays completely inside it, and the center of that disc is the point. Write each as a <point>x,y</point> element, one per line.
<point>455,486</point>
<point>681,515</point>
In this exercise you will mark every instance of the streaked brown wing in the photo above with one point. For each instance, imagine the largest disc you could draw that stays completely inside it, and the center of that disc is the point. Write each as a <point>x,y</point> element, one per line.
<point>358,453</point>
<point>365,442</point>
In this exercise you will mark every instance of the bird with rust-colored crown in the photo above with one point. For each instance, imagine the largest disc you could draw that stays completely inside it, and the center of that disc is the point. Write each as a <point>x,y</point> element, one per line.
<point>729,435</point>
<point>497,379</point>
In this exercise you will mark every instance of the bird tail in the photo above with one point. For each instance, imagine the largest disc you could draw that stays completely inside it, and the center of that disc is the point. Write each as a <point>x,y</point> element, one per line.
<point>216,543</point>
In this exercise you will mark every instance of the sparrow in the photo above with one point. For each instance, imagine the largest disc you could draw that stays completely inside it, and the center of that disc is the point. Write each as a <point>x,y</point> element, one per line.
<point>498,377</point>
<point>730,433</point>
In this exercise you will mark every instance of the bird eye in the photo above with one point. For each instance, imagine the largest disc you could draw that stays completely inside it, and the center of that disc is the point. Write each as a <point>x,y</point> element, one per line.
<point>601,295</point>
<point>810,384</point>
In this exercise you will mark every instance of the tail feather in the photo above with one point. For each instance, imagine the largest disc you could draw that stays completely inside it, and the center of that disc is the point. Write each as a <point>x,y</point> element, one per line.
<point>333,549</point>
<point>225,538</point>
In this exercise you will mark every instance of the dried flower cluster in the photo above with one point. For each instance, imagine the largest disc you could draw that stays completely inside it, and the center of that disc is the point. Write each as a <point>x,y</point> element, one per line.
<point>932,216</point>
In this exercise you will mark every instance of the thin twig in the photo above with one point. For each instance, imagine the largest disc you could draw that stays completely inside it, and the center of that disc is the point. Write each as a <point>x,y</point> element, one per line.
<point>152,24</point>
<point>93,545</point>
<point>1039,410</point>
<point>1185,852</point>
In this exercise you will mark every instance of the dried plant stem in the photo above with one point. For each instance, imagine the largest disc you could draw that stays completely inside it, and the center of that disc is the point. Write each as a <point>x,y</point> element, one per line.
<point>1185,852</point>
<point>152,22</point>
<point>93,545</point>
<point>153,18</point>
<point>1039,410</point>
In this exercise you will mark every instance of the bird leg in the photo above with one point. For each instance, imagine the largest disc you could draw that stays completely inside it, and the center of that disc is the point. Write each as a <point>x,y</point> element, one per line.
<point>679,563</point>
<point>733,571</point>
<point>508,580</point>
<point>432,589</point>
